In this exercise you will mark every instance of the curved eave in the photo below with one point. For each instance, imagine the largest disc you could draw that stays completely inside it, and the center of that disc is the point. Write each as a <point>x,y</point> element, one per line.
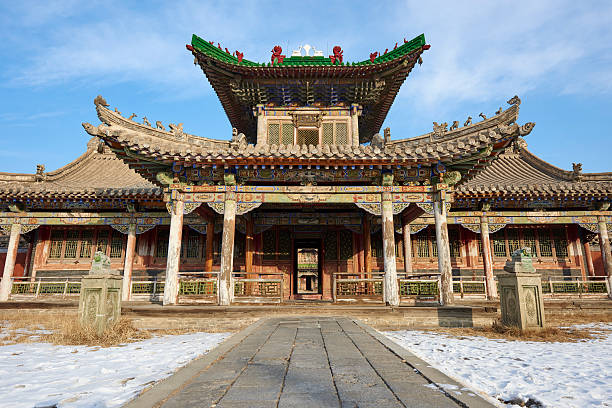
<point>149,151</point>
<point>220,73</point>
<point>521,174</point>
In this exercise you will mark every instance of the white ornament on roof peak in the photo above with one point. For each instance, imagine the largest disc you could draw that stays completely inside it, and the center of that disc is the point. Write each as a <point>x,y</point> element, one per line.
<point>306,51</point>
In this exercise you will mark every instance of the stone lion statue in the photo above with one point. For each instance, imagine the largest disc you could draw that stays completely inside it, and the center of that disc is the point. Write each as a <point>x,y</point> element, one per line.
<point>101,265</point>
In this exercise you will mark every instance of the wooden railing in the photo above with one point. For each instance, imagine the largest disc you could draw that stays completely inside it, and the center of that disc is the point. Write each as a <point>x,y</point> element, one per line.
<point>554,288</point>
<point>46,286</point>
<point>469,287</point>
<point>420,287</point>
<point>257,290</point>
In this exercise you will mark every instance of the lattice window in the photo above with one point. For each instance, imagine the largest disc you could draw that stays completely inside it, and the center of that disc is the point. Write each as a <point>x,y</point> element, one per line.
<point>529,240</point>
<point>72,242</point>
<point>328,134</point>
<point>193,244</point>
<point>421,241</point>
<point>161,250</point>
<point>102,241</point>
<point>57,240</point>
<point>86,243</point>
<point>116,244</point>
<point>545,243</point>
<point>498,243</point>
<point>434,244</point>
<point>269,244</point>
<point>308,137</point>
<point>560,241</point>
<point>341,133</point>
<point>330,242</point>
<point>287,136</point>
<point>513,240</point>
<point>480,246</point>
<point>273,133</point>
<point>284,244</point>
<point>346,245</point>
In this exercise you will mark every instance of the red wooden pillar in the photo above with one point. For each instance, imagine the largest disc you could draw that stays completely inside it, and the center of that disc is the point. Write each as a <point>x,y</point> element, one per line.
<point>367,247</point>
<point>487,259</point>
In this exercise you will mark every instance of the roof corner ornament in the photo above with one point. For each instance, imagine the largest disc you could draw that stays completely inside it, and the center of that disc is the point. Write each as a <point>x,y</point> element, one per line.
<point>468,121</point>
<point>387,133</point>
<point>177,130</point>
<point>164,177</point>
<point>525,129</point>
<point>40,173</point>
<point>159,125</point>
<point>238,139</point>
<point>277,54</point>
<point>499,111</point>
<point>576,171</point>
<point>515,100</point>
<point>483,116</point>
<point>100,101</point>
<point>455,125</point>
<point>439,129</point>
<point>451,178</point>
<point>132,116</point>
<point>146,122</point>
<point>117,111</point>
<point>337,55</point>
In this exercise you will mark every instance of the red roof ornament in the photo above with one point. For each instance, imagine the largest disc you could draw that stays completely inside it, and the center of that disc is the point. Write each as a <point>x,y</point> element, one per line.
<point>276,54</point>
<point>395,46</point>
<point>189,47</point>
<point>427,46</point>
<point>337,55</point>
<point>373,56</point>
<point>239,55</point>
<point>226,50</point>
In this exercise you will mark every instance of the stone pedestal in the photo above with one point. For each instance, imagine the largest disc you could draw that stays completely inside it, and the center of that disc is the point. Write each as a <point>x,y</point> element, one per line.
<point>100,300</point>
<point>520,292</point>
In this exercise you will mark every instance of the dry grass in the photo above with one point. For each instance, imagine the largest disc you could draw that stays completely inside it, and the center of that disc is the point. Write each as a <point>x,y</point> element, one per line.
<point>63,328</point>
<point>72,333</point>
<point>499,331</point>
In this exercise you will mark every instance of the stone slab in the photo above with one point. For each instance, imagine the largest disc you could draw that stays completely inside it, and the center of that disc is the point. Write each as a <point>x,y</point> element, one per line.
<point>306,361</point>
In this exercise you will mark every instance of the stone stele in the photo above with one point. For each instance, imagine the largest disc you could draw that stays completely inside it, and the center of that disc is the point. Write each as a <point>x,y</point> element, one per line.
<point>100,300</point>
<point>520,291</point>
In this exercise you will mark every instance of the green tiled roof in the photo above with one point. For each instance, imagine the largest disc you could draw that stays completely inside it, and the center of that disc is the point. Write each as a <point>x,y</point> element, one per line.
<point>213,51</point>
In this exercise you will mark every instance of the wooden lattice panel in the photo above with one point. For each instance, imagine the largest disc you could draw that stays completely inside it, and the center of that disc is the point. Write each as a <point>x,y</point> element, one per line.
<point>273,133</point>
<point>287,135</point>
<point>328,134</point>
<point>341,133</point>
<point>308,137</point>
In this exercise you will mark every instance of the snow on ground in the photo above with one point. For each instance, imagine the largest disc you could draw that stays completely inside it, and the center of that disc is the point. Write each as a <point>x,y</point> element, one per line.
<point>42,374</point>
<point>556,374</point>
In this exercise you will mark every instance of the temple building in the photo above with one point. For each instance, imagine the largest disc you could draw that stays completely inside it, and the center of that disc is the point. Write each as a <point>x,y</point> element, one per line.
<point>309,200</point>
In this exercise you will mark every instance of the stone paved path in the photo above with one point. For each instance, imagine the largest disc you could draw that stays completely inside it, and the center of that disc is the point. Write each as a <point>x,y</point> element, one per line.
<point>310,362</point>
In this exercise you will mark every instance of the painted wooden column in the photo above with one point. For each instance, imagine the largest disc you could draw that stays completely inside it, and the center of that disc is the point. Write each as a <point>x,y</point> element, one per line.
<point>128,265</point>
<point>210,235</point>
<point>171,287</point>
<point>606,253</point>
<point>391,288</point>
<point>367,247</point>
<point>588,257</point>
<point>407,246</point>
<point>225,289</point>
<point>444,260</point>
<point>248,247</point>
<point>9,264</point>
<point>487,259</point>
<point>41,252</point>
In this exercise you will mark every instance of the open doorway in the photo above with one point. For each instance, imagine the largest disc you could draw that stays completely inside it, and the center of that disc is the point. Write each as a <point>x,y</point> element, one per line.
<point>307,270</point>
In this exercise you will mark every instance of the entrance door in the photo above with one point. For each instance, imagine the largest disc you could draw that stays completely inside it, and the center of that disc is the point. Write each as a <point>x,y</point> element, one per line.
<point>307,271</point>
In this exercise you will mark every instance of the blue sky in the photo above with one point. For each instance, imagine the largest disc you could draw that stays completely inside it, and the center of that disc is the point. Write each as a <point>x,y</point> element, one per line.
<point>57,56</point>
